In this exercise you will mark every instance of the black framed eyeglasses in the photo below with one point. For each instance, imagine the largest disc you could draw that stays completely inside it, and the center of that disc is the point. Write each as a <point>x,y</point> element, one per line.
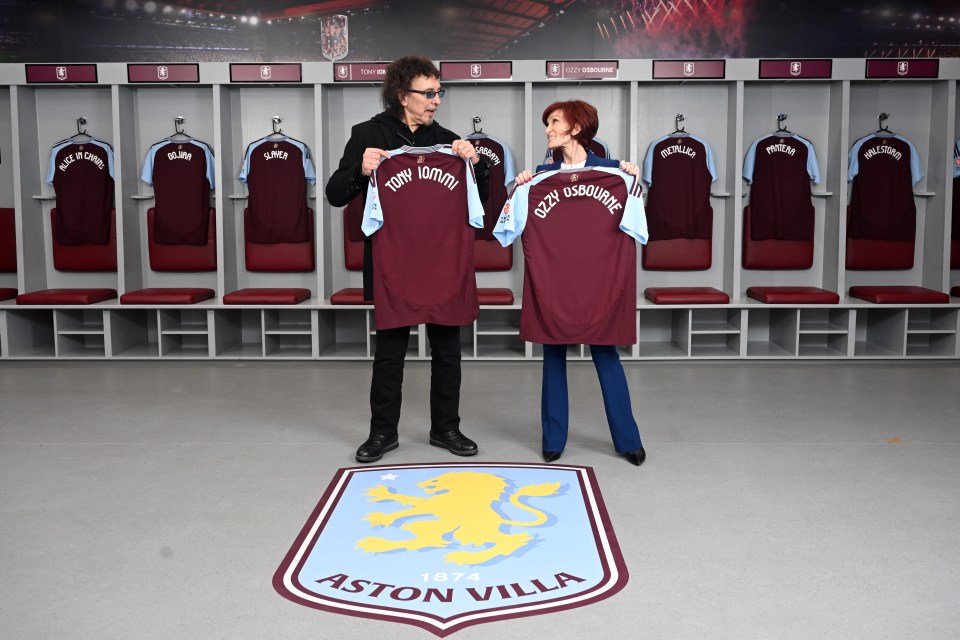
<point>429,93</point>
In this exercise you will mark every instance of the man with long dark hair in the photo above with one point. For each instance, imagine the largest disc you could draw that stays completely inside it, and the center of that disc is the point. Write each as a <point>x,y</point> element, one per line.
<point>411,94</point>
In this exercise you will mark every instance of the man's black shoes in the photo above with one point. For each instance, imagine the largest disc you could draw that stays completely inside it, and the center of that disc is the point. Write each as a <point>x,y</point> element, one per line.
<point>454,442</point>
<point>375,446</point>
<point>551,456</point>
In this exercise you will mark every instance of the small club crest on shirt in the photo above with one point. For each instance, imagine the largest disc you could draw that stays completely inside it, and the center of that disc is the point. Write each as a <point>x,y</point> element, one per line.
<point>275,145</point>
<point>420,159</point>
<point>574,177</point>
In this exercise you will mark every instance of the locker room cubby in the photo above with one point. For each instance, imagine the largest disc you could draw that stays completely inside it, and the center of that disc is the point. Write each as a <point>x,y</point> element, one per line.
<point>246,115</point>
<point>8,280</point>
<point>634,110</point>
<point>146,115</point>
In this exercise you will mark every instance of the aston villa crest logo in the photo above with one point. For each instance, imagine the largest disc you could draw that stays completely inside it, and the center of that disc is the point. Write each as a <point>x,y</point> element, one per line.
<point>476,71</point>
<point>61,73</point>
<point>444,546</point>
<point>420,159</point>
<point>163,73</point>
<point>794,68</point>
<point>688,68</point>
<point>554,69</point>
<point>265,72</point>
<point>574,177</point>
<point>341,71</point>
<point>334,40</point>
<point>903,68</point>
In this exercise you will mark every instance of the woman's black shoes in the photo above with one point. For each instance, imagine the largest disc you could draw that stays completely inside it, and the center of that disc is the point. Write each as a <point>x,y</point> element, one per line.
<point>636,457</point>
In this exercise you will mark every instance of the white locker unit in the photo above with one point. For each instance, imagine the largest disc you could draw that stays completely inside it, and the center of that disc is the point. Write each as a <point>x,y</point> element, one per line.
<point>634,110</point>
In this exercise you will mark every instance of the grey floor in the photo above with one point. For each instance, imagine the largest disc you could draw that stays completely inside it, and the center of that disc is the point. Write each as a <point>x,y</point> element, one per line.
<point>779,501</point>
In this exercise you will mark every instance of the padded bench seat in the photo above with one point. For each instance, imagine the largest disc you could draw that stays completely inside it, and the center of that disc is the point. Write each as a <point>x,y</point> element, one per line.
<point>349,296</point>
<point>167,296</point>
<point>267,296</point>
<point>495,296</point>
<point>7,294</point>
<point>686,295</point>
<point>793,295</point>
<point>486,296</point>
<point>899,295</point>
<point>66,296</point>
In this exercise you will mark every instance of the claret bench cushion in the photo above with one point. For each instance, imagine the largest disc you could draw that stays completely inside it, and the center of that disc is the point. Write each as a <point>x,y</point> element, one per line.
<point>899,295</point>
<point>793,295</point>
<point>686,295</point>
<point>66,296</point>
<point>267,296</point>
<point>167,295</point>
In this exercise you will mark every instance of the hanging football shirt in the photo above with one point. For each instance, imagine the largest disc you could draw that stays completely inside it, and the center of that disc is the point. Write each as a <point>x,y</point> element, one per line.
<point>679,170</point>
<point>421,211</point>
<point>502,173</point>
<point>883,169</point>
<point>580,228</point>
<point>779,168</point>
<point>82,176</point>
<point>276,170</point>
<point>181,173</point>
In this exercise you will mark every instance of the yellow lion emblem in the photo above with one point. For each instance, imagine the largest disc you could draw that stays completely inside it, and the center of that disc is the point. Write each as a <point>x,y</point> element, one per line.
<point>461,505</point>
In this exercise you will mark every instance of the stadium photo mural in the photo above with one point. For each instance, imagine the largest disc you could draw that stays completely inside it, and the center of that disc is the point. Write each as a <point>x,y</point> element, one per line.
<point>359,30</point>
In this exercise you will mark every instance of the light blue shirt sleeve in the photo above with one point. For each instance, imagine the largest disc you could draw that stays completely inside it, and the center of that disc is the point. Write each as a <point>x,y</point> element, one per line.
<point>513,216</point>
<point>916,169</point>
<point>750,160</point>
<point>853,160</point>
<point>245,167</point>
<point>509,169</point>
<point>711,163</point>
<point>813,169</point>
<point>52,168</point>
<point>147,174</point>
<point>211,163</point>
<point>634,219</point>
<point>372,212</point>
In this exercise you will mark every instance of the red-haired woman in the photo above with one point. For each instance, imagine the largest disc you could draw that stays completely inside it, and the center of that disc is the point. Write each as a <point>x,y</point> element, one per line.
<point>570,127</point>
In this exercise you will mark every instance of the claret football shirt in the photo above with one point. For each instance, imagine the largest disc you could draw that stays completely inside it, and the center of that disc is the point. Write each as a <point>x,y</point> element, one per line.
<point>276,170</point>
<point>422,210</point>
<point>580,228</point>
<point>502,173</point>
<point>181,173</point>
<point>679,170</point>
<point>82,176</point>
<point>779,168</point>
<point>883,168</point>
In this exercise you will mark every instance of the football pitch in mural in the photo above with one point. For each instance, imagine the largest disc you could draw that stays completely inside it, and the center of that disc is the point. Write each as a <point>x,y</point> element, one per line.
<point>378,30</point>
<point>446,546</point>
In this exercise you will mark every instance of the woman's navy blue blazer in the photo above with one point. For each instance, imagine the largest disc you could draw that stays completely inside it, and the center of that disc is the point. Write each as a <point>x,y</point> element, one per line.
<point>593,160</point>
